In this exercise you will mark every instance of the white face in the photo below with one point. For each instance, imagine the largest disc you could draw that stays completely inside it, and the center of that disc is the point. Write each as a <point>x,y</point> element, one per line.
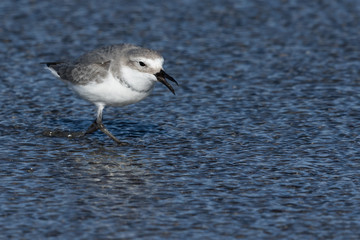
<point>140,72</point>
<point>143,69</point>
<point>147,65</point>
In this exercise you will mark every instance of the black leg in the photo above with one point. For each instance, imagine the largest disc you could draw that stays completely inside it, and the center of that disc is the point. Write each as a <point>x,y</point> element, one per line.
<point>92,128</point>
<point>104,130</point>
<point>97,124</point>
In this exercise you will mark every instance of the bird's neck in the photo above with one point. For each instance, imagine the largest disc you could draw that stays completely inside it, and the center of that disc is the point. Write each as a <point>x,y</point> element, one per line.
<point>137,81</point>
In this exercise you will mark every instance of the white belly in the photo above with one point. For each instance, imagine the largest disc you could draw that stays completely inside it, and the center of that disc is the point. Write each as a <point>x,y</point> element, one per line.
<point>111,92</point>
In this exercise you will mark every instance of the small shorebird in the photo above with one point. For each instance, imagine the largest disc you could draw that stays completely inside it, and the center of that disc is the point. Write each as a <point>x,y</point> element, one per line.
<point>116,75</point>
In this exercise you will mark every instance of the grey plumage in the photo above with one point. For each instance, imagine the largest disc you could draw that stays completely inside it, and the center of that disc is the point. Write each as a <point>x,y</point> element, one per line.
<point>94,65</point>
<point>116,75</point>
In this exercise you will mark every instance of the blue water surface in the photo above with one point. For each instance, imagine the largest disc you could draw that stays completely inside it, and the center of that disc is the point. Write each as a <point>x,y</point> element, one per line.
<point>261,140</point>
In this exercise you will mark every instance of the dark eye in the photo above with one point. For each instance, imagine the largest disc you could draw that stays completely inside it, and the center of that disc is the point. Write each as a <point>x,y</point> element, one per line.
<point>142,64</point>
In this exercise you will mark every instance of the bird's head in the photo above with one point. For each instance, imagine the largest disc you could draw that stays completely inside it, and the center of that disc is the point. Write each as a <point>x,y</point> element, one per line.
<point>150,62</point>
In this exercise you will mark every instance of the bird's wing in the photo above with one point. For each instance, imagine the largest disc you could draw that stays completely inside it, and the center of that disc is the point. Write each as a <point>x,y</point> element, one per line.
<point>80,73</point>
<point>92,66</point>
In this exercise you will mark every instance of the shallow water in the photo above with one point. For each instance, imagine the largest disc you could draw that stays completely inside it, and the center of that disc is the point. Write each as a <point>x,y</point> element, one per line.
<point>261,140</point>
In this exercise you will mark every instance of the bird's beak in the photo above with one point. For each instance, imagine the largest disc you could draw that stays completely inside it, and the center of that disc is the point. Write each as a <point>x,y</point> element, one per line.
<point>162,76</point>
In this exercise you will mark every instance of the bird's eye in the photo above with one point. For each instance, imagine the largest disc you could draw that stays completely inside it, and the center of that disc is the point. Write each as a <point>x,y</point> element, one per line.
<point>142,64</point>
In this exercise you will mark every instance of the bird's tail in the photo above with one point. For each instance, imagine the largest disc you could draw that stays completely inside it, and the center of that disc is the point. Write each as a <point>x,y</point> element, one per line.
<point>49,64</point>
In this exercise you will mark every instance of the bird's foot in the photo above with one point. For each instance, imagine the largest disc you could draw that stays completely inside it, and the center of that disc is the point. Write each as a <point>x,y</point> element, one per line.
<point>100,126</point>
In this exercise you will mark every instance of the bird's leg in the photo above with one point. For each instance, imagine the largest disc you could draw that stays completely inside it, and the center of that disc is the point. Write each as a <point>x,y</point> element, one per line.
<point>92,128</point>
<point>104,130</point>
<point>97,124</point>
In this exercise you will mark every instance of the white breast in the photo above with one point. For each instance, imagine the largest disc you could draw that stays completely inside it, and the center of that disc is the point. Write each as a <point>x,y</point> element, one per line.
<point>113,92</point>
<point>139,81</point>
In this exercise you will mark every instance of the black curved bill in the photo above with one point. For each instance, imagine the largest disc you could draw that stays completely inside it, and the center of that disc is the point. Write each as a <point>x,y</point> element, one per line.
<point>162,76</point>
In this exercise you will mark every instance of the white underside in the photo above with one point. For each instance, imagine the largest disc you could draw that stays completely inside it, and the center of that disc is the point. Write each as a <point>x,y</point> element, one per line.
<point>114,93</point>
